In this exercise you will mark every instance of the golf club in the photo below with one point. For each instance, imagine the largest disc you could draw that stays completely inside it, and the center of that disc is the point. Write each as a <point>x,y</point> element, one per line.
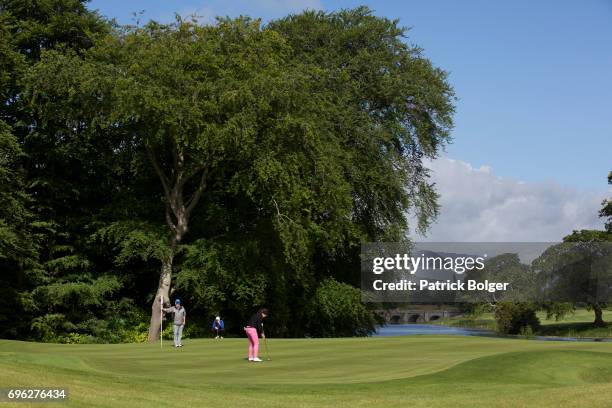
<point>267,351</point>
<point>266,345</point>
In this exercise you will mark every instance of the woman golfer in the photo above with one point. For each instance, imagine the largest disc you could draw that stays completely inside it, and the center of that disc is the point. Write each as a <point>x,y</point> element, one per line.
<point>253,329</point>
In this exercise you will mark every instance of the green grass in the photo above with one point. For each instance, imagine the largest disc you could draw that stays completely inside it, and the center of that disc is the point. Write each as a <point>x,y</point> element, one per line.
<point>579,316</point>
<point>579,330</point>
<point>484,321</point>
<point>578,324</point>
<point>415,371</point>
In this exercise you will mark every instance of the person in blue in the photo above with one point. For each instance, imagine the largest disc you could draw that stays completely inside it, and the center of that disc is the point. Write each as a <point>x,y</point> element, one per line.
<point>218,327</point>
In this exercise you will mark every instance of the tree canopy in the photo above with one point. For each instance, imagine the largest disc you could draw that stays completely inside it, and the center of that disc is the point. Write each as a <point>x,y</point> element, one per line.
<point>606,210</point>
<point>234,164</point>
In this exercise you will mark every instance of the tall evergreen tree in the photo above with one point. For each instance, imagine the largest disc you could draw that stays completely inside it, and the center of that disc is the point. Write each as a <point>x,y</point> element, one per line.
<point>49,165</point>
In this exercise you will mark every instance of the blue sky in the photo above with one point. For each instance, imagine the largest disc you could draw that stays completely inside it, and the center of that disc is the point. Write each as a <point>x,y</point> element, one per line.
<point>533,78</point>
<point>534,87</point>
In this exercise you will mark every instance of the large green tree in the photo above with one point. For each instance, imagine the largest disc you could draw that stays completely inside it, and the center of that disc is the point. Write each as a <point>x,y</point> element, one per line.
<point>577,271</point>
<point>396,109</point>
<point>601,243</point>
<point>267,154</point>
<point>18,248</point>
<point>54,176</point>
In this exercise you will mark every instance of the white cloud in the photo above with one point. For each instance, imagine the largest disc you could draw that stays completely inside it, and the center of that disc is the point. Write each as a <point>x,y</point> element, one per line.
<point>478,206</point>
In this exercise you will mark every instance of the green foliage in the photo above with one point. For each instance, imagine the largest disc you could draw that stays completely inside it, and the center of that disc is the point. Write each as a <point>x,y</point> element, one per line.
<point>336,311</point>
<point>391,107</point>
<point>50,183</point>
<point>134,240</point>
<point>580,270</point>
<point>77,294</point>
<point>516,318</point>
<point>598,265</point>
<point>138,334</point>
<point>213,274</point>
<point>474,310</point>
<point>116,322</point>
<point>606,210</point>
<point>503,268</point>
<point>14,239</point>
<point>256,158</point>
<point>194,331</point>
<point>45,24</point>
<point>588,236</point>
<point>19,245</point>
<point>48,325</point>
<point>527,332</point>
<point>168,334</point>
<point>558,310</point>
<point>78,338</point>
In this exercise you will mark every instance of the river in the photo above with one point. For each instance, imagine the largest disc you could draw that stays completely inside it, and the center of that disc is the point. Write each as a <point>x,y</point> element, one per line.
<point>431,329</point>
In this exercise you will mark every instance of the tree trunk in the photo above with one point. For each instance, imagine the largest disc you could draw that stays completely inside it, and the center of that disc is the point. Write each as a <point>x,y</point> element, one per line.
<point>177,220</point>
<point>163,290</point>
<point>179,229</point>
<point>599,321</point>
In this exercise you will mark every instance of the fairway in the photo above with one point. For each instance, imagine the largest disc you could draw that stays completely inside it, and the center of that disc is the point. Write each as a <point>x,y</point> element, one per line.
<point>416,371</point>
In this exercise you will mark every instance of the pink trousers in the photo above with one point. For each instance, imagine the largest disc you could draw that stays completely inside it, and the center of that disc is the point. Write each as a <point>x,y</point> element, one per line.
<point>253,342</point>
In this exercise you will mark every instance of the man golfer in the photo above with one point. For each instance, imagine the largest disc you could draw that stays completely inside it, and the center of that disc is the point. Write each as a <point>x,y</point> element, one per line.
<point>218,327</point>
<point>180,316</point>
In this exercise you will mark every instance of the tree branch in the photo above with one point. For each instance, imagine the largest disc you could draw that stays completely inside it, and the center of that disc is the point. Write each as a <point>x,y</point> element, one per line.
<point>171,224</point>
<point>193,201</point>
<point>160,173</point>
<point>280,215</point>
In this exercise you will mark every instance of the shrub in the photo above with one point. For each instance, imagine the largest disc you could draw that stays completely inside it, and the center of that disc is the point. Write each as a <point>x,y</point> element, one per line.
<point>168,333</point>
<point>138,334</point>
<point>78,338</point>
<point>336,310</point>
<point>516,318</point>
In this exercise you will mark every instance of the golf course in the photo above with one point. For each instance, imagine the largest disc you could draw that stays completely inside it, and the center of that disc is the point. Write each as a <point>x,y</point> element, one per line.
<point>416,371</point>
<point>305,203</point>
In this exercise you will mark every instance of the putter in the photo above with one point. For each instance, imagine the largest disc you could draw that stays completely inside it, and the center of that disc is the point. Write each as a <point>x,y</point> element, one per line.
<point>266,344</point>
<point>267,351</point>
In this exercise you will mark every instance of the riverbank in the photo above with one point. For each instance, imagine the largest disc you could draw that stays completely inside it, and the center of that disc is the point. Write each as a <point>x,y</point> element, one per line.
<point>576,325</point>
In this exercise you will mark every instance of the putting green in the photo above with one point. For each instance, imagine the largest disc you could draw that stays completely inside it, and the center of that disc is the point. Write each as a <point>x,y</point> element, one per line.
<point>415,371</point>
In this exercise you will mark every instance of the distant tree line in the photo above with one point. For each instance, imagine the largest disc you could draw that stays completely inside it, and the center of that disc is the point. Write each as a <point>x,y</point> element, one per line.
<point>576,273</point>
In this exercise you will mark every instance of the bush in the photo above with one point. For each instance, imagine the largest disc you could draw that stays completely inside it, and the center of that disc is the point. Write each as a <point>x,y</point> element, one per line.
<point>119,322</point>
<point>527,332</point>
<point>516,318</point>
<point>139,334</point>
<point>168,333</point>
<point>77,338</point>
<point>336,311</point>
<point>195,330</point>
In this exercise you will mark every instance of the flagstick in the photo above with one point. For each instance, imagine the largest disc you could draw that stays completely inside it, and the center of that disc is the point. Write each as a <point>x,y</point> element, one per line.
<point>161,321</point>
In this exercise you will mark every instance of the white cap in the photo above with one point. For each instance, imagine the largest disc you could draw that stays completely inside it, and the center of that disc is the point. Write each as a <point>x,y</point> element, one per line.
<point>217,318</point>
